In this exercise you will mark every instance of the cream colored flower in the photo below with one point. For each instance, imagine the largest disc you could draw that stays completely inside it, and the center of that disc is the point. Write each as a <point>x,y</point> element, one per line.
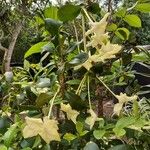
<point>91,120</point>
<point>122,98</point>
<point>98,27</point>
<point>47,129</point>
<point>71,114</point>
<point>97,40</point>
<point>107,51</point>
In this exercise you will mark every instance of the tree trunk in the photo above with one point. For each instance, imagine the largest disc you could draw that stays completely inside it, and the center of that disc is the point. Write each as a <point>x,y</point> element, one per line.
<point>9,52</point>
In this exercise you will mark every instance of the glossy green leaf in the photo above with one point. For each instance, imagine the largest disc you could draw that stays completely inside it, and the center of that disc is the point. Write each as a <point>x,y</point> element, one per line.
<point>79,127</point>
<point>69,137</point>
<point>51,12</point>
<point>119,132</point>
<point>10,135</point>
<point>68,12</point>
<point>52,26</point>
<point>98,134</point>
<point>125,122</point>
<point>37,48</point>
<point>121,12</point>
<point>112,27</point>
<point>133,20</point>
<point>123,33</point>
<point>91,146</point>
<point>145,7</point>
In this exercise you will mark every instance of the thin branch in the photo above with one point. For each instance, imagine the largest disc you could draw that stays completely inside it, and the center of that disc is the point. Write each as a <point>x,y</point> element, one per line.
<point>3,48</point>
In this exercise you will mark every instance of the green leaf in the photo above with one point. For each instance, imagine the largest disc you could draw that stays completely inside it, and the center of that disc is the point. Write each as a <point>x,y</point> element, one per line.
<point>98,134</point>
<point>112,27</point>
<point>121,147</point>
<point>52,26</point>
<point>133,20</point>
<point>125,122</point>
<point>10,135</point>
<point>94,8</point>
<point>73,82</point>
<point>119,132</point>
<point>37,48</point>
<point>42,99</point>
<point>51,12</point>
<point>79,127</point>
<point>80,58</point>
<point>69,137</point>
<point>75,101</point>
<point>123,33</point>
<point>37,142</point>
<point>121,12</point>
<point>3,147</point>
<point>145,7</point>
<point>91,146</point>
<point>68,12</point>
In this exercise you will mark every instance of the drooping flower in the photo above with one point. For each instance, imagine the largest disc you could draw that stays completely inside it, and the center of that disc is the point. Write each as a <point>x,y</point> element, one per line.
<point>122,98</point>
<point>71,114</point>
<point>91,119</point>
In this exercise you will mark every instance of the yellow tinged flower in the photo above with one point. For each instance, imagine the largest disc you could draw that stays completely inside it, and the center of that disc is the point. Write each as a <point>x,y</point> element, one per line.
<point>98,27</point>
<point>71,114</point>
<point>91,120</point>
<point>122,98</point>
<point>47,129</point>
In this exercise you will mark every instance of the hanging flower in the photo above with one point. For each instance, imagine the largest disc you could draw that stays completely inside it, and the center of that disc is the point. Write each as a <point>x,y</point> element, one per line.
<point>91,119</point>
<point>71,114</point>
<point>122,98</point>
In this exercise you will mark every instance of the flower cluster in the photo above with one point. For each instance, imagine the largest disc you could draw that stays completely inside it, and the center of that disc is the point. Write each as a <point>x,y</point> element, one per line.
<point>100,40</point>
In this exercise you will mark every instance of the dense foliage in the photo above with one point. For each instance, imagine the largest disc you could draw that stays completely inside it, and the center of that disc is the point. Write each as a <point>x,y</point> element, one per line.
<point>76,63</point>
